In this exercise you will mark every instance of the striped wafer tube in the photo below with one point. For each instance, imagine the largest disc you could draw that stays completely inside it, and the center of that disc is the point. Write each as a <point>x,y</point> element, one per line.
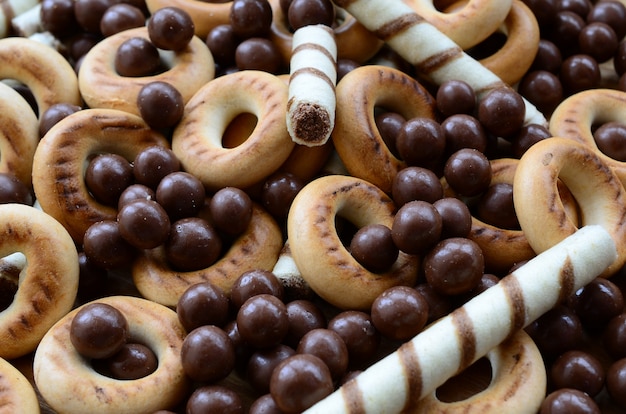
<point>312,80</point>
<point>289,275</point>
<point>421,44</point>
<point>454,342</point>
<point>10,9</point>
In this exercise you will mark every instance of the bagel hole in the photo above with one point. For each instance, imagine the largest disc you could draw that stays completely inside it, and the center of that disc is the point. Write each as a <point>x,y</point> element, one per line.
<point>239,129</point>
<point>10,268</point>
<point>488,47</point>
<point>25,92</point>
<point>471,381</point>
<point>448,6</point>
<point>345,230</point>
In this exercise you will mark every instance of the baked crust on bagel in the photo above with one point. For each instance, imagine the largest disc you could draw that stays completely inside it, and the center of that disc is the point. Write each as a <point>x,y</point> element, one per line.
<point>198,139</point>
<point>62,155</point>
<point>48,282</point>
<point>518,383</point>
<point>597,189</point>
<point>257,248</point>
<point>102,87</point>
<point>324,262</point>
<point>356,137</point>
<point>578,114</point>
<point>354,41</point>
<point>205,15</point>
<point>47,74</point>
<point>16,392</point>
<point>468,25</point>
<point>69,384</point>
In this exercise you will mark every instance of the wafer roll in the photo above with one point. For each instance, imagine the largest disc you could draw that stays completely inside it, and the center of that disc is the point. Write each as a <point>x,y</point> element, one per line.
<point>290,276</point>
<point>421,44</point>
<point>453,343</point>
<point>313,76</point>
<point>10,9</point>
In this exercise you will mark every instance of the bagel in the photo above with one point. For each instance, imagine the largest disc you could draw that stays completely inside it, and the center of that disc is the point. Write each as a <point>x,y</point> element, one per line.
<point>61,156</point>
<point>257,248</point>
<point>16,392</point>
<point>356,137</point>
<point>48,280</point>
<point>205,15</point>
<point>597,190</point>
<point>354,41</point>
<point>467,25</point>
<point>69,384</point>
<point>197,140</point>
<point>19,134</point>
<point>324,262</point>
<point>47,74</point>
<point>518,382</point>
<point>575,117</point>
<point>102,87</point>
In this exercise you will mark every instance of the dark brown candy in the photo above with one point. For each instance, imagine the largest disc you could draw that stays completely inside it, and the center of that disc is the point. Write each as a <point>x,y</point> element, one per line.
<point>89,13</point>
<point>389,124</point>
<point>438,305</point>
<point>556,331</point>
<point>548,57</point>
<point>93,279</point>
<point>309,12</point>
<point>468,172</point>
<point>611,139</point>
<point>98,330</point>
<point>358,332</point>
<point>144,224</point>
<point>454,266</point>
<point>463,131</point>
<point>400,312</point>
<point>344,66</point>
<point>104,245</point>
<point>265,404</point>
<point>373,247</point>
<point>564,31</point>
<point>544,10</point>
<point>13,190</point>
<point>578,370</point>
<point>527,136</point>
<point>278,193</point>
<point>619,60</point>
<point>201,304</point>
<point>616,382</point>
<point>328,346</point>
<point>137,57</point>
<point>107,176</point>
<point>502,112</point>
<point>160,104</point>
<point>214,399</point>
<point>132,362</point>
<point>614,337</point>
<point>421,141</point>
<point>455,97</point>
<point>181,194</point>
<point>135,192</point>
<point>231,210</point>
<point>495,207</point>
<point>598,40</point>
<point>612,13</point>
<point>416,227</point>
<point>262,321</point>
<point>299,382</point>
<point>193,244</point>
<point>170,28</point>
<point>54,114</point>
<point>152,164</point>
<point>579,72</point>
<point>597,303</point>
<point>543,89</point>
<point>569,401</point>
<point>416,183</point>
<point>250,18</point>
<point>255,282</point>
<point>261,364</point>
<point>120,17</point>
<point>456,218</point>
<point>222,42</point>
<point>58,18</point>
<point>304,316</point>
<point>207,354</point>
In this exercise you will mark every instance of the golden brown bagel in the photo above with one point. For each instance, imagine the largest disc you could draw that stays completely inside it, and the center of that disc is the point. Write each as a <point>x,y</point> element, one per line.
<point>102,87</point>
<point>324,262</point>
<point>596,188</point>
<point>16,392</point>
<point>356,137</point>
<point>197,140</point>
<point>60,162</point>
<point>257,248</point>
<point>48,281</point>
<point>205,15</point>
<point>69,384</point>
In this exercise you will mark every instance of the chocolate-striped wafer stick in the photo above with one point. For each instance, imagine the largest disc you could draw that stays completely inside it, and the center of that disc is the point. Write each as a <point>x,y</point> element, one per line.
<point>313,75</point>
<point>421,44</point>
<point>454,342</point>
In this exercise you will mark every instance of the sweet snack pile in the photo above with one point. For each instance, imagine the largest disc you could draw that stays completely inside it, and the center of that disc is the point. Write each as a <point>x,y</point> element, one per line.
<point>286,206</point>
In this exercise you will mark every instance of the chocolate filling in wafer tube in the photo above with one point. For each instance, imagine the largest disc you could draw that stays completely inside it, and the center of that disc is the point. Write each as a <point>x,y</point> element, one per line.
<point>418,367</point>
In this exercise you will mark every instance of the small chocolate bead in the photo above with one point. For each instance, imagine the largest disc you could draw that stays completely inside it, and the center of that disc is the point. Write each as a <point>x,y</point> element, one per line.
<point>578,370</point>
<point>153,163</point>
<point>373,247</point>
<point>309,12</point>
<point>170,28</point>
<point>438,305</point>
<point>104,245</point>
<point>120,17</point>
<point>255,282</point>
<point>544,10</point>
<point>399,313</point>
<point>579,73</point>
<point>598,40</point>
<point>421,141</point>
<point>299,382</point>
<point>389,124</point>
<point>79,44</point>
<point>201,304</point>
<point>614,337</point>
<point>527,136</point>
<point>98,330</point>
<point>616,382</point>
<point>131,362</point>
<point>160,104</point>
<point>564,32</point>
<point>495,207</point>
<point>304,316</point>
<point>455,97</point>
<point>265,404</point>
<point>92,281</point>
<point>231,210</point>
<point>454,266</point>
<point>543,89</point>
<point>612,13</point>
<point>250,18</point>
<point>181,194</point>
<point>568,401</point>
<point>416,183</point>
<point>556,331</point>
<point>456,218</point>
<point>214,399</point>
<point>207,354</point>
<point>144,224</point>
<point>416,227</point>
<point>262,321</point>
<point>610,139</point>
<point>278,193</point>
<point>619,60</point>
<point>54,114</point>
<point>502,112</point>
<point>135,192</point>
<point>328,346</point>
<point>88,13</point>
<point>222,42</point>
<point>193,244</point>
<point>597,303</point>
<point>468,172</point>
<point>13,190</point>
<point>344,66</point>
<point>580,7</point>
<point>463,131</point>
<point>258,53</point>
<point>261,364</point>
<point>58,18</point>
<point>107,176</point>
<point>358,332</point>
<point>137,57</point>
<point>548,57</point>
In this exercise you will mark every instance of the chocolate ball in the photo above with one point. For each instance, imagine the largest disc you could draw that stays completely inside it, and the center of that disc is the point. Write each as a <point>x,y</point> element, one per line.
<point>98,330</point>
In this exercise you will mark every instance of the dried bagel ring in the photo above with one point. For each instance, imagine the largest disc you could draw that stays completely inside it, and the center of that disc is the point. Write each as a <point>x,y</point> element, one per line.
<point>48,282</point>
<point>575,117</point>
<point>16,392</point>
<point>47,74</point>
<point>60,162</point>
<point>257,248</point>
<point>324,262</point>
<point>518,382</point>
<point>354,41</point>
<point>205,15</point>
<point>468,25</point>
<point>102,87</point>
<point>197,140</point>
<point>356,137</point>
<point>69,384</point>
<point>598,191</point>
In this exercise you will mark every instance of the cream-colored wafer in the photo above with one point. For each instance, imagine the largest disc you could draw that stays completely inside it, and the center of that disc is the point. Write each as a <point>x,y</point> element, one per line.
<point>457,340</point>
<point>10,9</point>
<point>286,270</point>
<point>313,76</point>
<point>432,53</point>
<point>28,22</point>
